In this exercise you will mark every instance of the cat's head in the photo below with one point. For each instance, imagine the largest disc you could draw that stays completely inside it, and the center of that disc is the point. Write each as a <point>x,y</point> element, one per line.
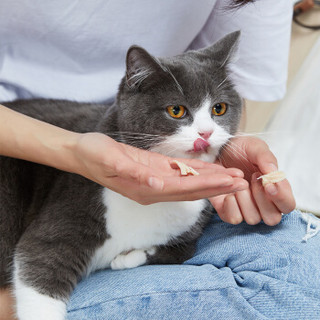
<point>185,106</point>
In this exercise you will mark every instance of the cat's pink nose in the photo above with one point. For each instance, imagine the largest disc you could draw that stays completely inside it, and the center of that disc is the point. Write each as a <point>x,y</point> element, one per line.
<point>205,135</point>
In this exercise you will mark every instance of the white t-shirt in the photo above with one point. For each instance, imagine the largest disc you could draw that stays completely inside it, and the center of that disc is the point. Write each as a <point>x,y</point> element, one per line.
<point>70,49</point>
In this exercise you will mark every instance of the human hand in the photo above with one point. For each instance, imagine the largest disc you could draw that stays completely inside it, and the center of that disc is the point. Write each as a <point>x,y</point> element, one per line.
<point>255,203</point>
<point>148,177</point>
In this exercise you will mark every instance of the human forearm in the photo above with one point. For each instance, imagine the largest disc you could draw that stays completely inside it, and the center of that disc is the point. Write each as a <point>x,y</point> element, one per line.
<point>33,140</point>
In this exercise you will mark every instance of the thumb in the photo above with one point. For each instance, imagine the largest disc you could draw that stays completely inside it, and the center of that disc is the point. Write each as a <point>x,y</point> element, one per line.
<point>260,155</point>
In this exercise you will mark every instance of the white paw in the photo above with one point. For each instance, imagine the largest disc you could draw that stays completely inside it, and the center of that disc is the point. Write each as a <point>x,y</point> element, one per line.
<point>132,259</point>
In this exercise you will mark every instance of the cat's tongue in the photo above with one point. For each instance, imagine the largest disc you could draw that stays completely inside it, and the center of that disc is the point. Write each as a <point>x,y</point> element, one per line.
<point>200,145</point>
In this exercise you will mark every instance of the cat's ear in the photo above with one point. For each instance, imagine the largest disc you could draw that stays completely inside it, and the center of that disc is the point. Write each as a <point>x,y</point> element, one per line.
<point>140,65</point>
<point>224,50</point>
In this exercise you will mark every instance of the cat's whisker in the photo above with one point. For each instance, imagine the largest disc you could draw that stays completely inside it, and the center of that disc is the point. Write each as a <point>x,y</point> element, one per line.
<point>166,69</point>
<point>139,139</point>
<point>128,133</point>
<point>135,79</point>
<point>237,150</point>
<point>225,83</point>
<point>222,82</point>
<point>234,150</point>
<point>175,80</point>
<point>259,134</point>
<point>135,138</point>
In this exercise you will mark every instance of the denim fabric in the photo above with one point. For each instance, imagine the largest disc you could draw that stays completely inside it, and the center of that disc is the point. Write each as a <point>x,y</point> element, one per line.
<point>238,272</point>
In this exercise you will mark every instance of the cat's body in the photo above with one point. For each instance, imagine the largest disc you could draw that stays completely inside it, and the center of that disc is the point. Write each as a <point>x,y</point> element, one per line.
<point>57,227</point>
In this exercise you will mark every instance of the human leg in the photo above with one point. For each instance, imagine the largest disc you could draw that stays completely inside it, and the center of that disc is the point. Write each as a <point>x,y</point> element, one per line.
<point>238,272</point>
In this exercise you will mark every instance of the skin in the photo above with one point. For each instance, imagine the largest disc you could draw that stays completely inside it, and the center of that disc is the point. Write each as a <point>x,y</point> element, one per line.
<point>6,303</point>
<point>256,202</point>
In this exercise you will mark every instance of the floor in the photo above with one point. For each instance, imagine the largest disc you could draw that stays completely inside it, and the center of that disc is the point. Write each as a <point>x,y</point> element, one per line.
<point>292,126</point>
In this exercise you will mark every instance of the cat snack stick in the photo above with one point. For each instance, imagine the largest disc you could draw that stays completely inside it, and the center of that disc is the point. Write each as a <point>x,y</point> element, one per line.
<point>184,169</point>
<point>272,177</point>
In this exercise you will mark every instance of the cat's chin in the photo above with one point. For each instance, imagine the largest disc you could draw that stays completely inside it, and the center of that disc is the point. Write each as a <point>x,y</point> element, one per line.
<point>203,156</point>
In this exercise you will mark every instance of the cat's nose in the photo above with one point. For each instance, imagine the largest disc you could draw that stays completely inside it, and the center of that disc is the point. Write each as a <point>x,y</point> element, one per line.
<point>205,135</point>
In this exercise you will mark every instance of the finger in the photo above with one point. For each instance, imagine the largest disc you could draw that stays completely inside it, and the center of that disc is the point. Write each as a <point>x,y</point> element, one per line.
<point>260,155</point>
<point>149,176</point>
<point>230,212</point>
<point>270,214</point>
<point>174,189</point>
<point>239,184</point>
<point>204,167</point>
<point>281,195</point>
<point>203,184</point>
<point>218,203</point>
<point>233,172</point>
<point>248,207</point>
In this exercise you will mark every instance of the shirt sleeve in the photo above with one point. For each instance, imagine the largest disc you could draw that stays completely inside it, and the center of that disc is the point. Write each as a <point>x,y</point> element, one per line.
<point>260,72</point>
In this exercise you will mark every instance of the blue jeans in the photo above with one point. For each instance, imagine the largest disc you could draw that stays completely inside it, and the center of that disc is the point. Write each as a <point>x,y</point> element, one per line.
<point>238,272</point>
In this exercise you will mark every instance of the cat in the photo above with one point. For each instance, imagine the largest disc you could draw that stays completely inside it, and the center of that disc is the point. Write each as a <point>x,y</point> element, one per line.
<point>57,227</point>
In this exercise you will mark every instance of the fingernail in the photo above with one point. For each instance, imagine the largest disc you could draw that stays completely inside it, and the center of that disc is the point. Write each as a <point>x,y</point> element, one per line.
<point>271,189</point>
<point>155,183</point>
<point>272,167</point>
<point>255,176</point>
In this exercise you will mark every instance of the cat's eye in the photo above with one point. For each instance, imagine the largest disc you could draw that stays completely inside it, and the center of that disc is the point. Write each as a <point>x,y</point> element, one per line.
<point>219,109</point>
<point>176,111</point>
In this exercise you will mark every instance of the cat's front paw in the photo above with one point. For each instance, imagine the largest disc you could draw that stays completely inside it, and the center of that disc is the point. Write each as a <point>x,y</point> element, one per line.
<point>132,259</point>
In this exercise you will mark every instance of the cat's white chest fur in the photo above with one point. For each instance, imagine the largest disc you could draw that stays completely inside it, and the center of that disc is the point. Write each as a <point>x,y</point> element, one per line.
<point>134,226</point>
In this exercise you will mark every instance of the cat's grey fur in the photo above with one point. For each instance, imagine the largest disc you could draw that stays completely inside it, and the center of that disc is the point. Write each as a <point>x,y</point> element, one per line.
<point>53,221</point>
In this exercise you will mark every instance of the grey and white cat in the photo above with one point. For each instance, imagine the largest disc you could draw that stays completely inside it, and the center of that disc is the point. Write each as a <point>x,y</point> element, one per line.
<point>57,227</point>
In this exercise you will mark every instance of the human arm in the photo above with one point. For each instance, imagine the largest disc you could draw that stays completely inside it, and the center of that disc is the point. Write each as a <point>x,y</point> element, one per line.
<point>6,305</point>
<point>255,203</point>
<point>138,174</point>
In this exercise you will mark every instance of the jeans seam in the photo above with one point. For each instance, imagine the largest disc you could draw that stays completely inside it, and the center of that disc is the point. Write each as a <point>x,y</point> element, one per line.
<point>155,293</point>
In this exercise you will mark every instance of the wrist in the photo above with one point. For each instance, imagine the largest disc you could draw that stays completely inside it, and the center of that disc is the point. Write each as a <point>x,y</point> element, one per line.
<point>61,151</point>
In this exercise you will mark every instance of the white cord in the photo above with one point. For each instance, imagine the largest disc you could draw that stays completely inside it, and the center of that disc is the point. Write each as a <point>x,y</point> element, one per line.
<point>313,226</point>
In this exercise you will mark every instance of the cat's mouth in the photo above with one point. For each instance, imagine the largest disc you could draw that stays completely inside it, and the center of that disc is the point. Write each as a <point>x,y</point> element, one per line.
<point>200,146</point>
